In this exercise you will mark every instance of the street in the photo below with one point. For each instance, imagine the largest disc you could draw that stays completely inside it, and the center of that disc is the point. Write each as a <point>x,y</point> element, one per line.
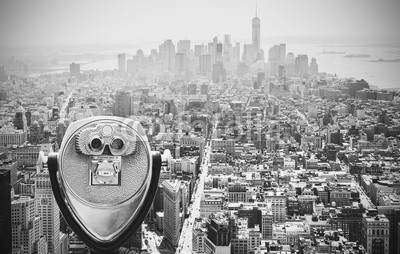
<point>364,199</point>
<point>185,240</point>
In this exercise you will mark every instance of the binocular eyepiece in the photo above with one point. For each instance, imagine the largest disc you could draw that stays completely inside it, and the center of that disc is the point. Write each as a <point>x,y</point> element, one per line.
<point>104,179</point>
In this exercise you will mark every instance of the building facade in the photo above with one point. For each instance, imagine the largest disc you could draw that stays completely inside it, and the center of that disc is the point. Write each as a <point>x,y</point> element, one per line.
<point>172,221</point>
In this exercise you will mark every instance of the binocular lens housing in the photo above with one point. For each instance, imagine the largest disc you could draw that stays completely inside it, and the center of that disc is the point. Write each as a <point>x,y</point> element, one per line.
<point>96,144</point>
<point>117,143</point>
<point>104,178</point>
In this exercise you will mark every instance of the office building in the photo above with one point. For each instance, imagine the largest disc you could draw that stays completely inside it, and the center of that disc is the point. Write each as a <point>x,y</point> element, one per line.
<point>199,235</point>
<point>236,53</point>
<point>282,53</point>
<point>276,57</point>
<point>27,231</point>
<point>256,36</point>
<point>167,55</point>
<point>277,202</point>
<point>221,230</point>
<point>123,104</point>
<point>75,70</point>
<point>121,64</point>
<point>135,241</point>
<point>301,65</point>
<point>9,136</point>
<point>212,49</point>
<point>5,211</point>
<point>375,234</point>
<point>172,222</point>
<point>237,192</point>
<point>227,47</point>
<point>11,166</point>
<point>218,56</point>
<point>46,206</point>
<point>349,219</point>
<point>205,64</point>
<point>180,64</point>
<point>392,213</point>
<point>227,41</point>
<point>218,73</point>
<point>20,122</point>
<point>34,133</point>
<point>290,66</point>
<point>183,46</point>
<point>313,66</point>
<point>266,224</point>
<point>248,54</point>
<point>26,156</point>
<point>130,66</point>
<point>199,50</point>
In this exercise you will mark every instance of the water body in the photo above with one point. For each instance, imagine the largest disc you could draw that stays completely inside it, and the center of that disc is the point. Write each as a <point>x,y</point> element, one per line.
<point>380,74</point>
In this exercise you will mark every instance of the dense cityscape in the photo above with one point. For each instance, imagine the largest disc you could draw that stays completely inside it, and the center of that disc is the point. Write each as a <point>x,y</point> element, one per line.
<point>268,154</point>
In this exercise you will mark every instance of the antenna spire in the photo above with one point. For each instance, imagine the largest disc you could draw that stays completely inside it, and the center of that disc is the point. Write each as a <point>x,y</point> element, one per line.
<point>256,9</point>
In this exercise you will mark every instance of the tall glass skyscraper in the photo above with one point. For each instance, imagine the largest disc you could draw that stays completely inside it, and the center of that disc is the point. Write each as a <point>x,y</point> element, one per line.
<point>5,211</point>
<point>256,34</point>
<point>46,206</point>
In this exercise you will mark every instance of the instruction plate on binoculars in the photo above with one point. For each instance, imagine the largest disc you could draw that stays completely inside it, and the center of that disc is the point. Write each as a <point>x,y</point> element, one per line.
<point>105,170</point>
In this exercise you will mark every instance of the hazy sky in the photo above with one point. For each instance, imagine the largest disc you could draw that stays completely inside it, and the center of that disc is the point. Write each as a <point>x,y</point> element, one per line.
<point>49,22</point>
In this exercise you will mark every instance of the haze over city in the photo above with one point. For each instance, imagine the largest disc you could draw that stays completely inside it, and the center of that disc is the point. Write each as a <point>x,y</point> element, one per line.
<point>46,22</point>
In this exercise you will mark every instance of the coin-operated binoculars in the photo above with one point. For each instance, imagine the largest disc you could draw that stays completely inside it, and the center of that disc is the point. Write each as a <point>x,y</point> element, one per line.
<point>104,179</point>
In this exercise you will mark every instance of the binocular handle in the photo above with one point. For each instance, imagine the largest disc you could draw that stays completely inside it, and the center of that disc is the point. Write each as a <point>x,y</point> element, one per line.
<point>105,247</point>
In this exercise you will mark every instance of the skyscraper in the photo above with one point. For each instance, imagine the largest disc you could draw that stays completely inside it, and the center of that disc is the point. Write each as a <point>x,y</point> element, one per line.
<point>20,122</point>
<point>122,106</point>
<point>34,133</point>
<point>121,64</point>
<point>256,35</point>
<point>273,59</point>
<point>301,65</point>
<point>222,229</point>
<point>171,210</point>
<point>227,46</point>
<point>267,219</point>
<point>179,64</point>
<point>27,231</point>
<point>236,53</point>
<point>12,166</point>
<point>313,66</point>
<point>130,66</point>
<point>183,46</point>
<point>167,55</point>
<point>46,206</point>
<point>218,73</point>
<point>375,234</point>
<point>290,68</point>
<point>218,55</point>
<point>282,53</point>
<point>392,213</point>
<point>199,50</point>
<point>349,219</point>
<point>205,64</point>
<point>5,211</point>
<point>75,70</point>
<point>276,57</point>
<point>248,54</point>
